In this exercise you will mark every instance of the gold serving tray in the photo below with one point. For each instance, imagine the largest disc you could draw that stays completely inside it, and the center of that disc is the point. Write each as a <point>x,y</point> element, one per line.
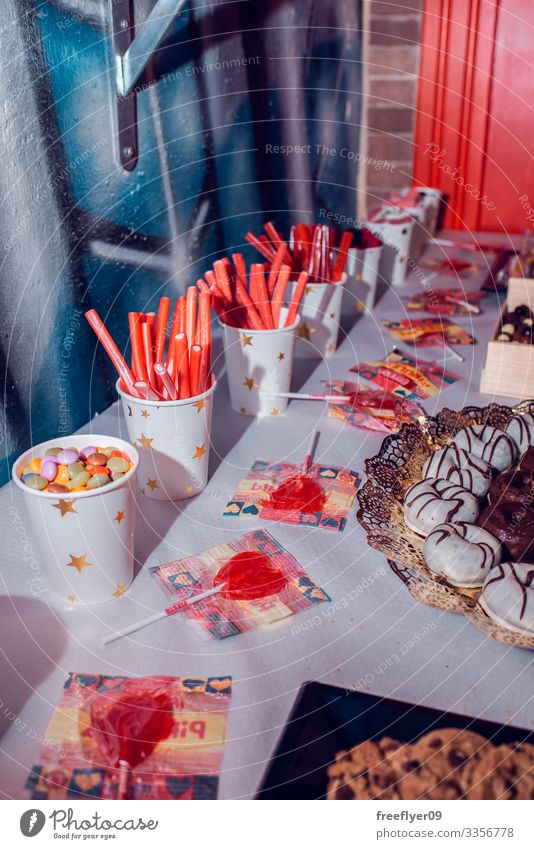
<point>395,468</point>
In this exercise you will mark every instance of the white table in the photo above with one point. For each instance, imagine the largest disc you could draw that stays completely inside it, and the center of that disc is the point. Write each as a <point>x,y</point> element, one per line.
<point>367,643</point>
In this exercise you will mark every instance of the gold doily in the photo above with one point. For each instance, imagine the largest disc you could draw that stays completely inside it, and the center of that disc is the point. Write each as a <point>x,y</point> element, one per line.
<point>395,468</point>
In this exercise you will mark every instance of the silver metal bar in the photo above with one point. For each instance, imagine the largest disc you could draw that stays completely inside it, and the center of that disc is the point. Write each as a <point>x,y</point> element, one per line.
<point>146,42</point>
<point>126,107</point>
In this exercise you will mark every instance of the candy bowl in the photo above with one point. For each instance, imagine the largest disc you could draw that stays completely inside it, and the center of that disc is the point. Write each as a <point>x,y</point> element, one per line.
<point>390,474</point>
<point>84,532</point>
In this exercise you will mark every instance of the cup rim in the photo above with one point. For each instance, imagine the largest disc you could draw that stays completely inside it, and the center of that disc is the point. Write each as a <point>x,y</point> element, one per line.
<point>180,402</point>
<point>122,444</point>
<point>326,284</point>
<point>250,332</point>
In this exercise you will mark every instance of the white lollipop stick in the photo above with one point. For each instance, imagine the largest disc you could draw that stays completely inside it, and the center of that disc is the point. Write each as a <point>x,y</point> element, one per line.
<point>310,396</point>
<point>454,353</point>
<point>174,608</point>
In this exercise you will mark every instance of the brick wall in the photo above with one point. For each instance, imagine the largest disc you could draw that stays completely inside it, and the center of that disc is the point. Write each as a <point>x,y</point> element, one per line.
<point>392,64</point>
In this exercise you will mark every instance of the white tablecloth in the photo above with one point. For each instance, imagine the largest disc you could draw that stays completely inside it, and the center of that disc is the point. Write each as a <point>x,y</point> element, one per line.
<point>373,636</point>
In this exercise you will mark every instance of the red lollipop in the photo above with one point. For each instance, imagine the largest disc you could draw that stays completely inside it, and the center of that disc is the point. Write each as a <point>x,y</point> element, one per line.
<point>128,724</point>
<point>300,492</point>
<point>249,575</point>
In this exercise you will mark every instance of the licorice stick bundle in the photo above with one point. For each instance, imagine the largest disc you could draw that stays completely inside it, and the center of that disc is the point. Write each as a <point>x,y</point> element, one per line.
<point>253,302</point>
<point>311,248</point>
<point>153,375</point>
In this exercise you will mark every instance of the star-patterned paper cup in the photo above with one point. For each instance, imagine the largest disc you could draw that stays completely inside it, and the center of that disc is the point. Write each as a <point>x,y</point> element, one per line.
<point>84,540</point>
<point>362,278</point>
<point>173,440</point>
<point>320,315</point>
<point>259,362</point>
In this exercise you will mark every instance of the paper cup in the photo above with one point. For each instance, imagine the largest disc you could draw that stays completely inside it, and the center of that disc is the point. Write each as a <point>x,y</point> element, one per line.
<point>397,235</point>
<point>85,539</point>
<point>320,311</point>
<point>362,278</point>
<point>259,362</point>
<point>173,440</point>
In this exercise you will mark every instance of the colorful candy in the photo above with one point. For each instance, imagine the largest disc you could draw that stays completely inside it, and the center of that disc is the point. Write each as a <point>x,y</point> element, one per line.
<point>70,470</point>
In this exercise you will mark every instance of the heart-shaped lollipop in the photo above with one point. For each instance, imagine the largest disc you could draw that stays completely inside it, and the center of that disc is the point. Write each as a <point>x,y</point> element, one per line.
<point>128,724</point>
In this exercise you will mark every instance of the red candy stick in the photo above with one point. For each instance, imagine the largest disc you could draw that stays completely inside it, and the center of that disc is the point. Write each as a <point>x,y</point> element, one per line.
<point>113,352</point>
<point>297,297</point>
<point>258,290</point>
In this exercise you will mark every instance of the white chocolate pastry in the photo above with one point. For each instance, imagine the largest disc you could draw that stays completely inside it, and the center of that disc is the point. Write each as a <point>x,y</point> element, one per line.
<point>461,552</point>
<point>489,443</point>
<point>521,430</point>
<point>434,502</point>
<point>508,596</point>
<point>457,466</point>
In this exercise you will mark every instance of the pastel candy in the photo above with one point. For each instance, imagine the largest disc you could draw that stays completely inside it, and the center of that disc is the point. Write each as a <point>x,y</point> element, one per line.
<point>56,487</point>
<point>96,459</point>
<point>35,481</point>
<point>48,470</point>
<point>97,480</point>
<point>117,464</point>
<point>87,451</point>
<point>67,455</point>
<point>35,465</point>
<point>62,475</point>
<point>81,479</point>
<point>52,452</point>
<point>75,468</point>
<point>110,449</point>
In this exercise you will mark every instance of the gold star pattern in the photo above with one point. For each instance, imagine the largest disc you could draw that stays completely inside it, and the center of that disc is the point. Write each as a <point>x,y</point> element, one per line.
<point>71,598</point>
<point>145,441</point>
<point>79,563</point>
<point>142,491</point>
<point>119,517</point>
<point>121,589</point>
<point>245,340</point>
<point>199,453</point>
<point>145,414</point>
<point>308,290</point>
<point>250,383</point>
<point>275,411</point>
<point>330,347</point>
<point>189,489</point>
<point>304,332</point>
<point>152,484</point>
<point>199,405</point>
<point>281,356</point>
<point>242,410</point>
<point>65,506</point>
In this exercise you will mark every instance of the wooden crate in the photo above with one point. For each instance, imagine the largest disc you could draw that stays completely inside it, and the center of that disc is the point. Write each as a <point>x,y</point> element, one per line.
<point>509,366</point>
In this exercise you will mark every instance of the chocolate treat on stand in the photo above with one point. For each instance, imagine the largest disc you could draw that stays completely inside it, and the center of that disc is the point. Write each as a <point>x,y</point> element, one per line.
<point>517,326</point>
<point>510,512</point>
